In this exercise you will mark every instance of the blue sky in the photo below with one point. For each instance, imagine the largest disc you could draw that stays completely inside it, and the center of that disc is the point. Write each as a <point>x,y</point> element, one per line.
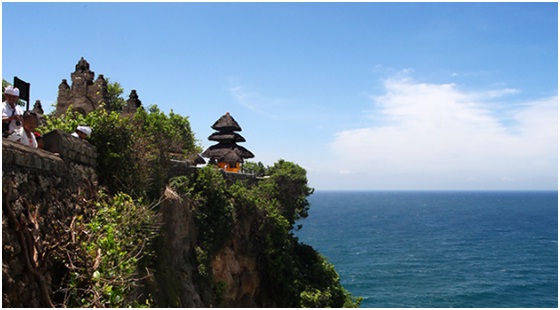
<point>365,96</point>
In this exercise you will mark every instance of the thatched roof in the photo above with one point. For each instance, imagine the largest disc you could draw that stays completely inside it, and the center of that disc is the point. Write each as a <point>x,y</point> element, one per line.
<point>227,149</point>
<point>226,123</point>
<point>221,149</point>
<point>226,137</point>
<point>231,157</point>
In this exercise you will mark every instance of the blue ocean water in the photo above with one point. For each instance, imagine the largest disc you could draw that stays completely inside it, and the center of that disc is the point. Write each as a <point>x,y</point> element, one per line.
<point>440,249</point>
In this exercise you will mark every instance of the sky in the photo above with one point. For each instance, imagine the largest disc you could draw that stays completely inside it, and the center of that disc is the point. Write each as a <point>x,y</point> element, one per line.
<point>364,96</point>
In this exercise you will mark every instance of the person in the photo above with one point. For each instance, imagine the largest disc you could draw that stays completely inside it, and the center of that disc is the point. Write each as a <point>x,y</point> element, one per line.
<point>24,134</point>
<point>11,112</point>
<point>82,132</point>
<point>39,139</point>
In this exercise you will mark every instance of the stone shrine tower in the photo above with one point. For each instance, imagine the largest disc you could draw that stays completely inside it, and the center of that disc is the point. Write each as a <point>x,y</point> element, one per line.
<point>85,94</point>
<point>132,104</point>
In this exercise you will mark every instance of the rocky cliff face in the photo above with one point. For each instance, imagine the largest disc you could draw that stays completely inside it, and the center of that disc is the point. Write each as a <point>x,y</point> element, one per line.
<point>43,192</point>
<point>238,271</point>
<point>179,283</point>
<point>174,276</point>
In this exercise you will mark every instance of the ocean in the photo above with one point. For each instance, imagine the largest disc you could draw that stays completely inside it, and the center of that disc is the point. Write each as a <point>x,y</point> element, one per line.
<point>439,249</point>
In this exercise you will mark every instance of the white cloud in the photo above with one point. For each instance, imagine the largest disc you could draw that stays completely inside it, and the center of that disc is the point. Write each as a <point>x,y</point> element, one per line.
<point>437,136</point>
<point>245,98</point>
<point>271,107</point>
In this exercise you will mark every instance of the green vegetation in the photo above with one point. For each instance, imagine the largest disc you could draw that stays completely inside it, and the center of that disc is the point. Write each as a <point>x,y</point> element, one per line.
<point>113,249</point>
<point>133,152</point>
<point>294,273</point>
<point>114,92</point>
<point>111,243</point>
<point>257,169</point>
<point>214,210</point>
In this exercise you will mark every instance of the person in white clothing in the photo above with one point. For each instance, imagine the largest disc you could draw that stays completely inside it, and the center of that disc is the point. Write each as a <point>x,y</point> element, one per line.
<point>25,134</point>
<point>82,132</point>
<point>11,112</point>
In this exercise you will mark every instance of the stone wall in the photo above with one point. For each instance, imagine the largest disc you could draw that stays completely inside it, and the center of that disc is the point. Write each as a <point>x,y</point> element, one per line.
<point>70,148</point>
<point>41,192</point>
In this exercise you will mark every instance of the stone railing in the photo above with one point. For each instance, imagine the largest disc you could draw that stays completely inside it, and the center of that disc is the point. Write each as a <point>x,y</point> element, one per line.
<point>69,148</point>
<point>60,151</point>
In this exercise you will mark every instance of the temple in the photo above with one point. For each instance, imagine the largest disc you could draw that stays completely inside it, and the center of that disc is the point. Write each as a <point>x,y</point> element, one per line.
<point>227,154</point>
<point>86,94</point>
<point>132,104</point>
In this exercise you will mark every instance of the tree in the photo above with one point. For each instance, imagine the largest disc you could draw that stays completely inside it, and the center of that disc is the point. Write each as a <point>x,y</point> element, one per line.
<point>291,189</point>
<point>116,101</point>
<point>257,169</point>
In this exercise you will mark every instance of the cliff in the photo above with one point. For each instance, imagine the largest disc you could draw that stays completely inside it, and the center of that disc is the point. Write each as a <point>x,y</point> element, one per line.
<point>211,240</point>
<point>231,266</point>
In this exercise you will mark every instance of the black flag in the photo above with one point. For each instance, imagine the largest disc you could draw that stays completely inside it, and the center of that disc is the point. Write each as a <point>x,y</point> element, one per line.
<point>23,89</point>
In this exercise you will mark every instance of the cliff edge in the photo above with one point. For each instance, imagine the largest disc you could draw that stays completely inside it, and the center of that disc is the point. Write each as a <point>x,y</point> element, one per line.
<point>212,240</point>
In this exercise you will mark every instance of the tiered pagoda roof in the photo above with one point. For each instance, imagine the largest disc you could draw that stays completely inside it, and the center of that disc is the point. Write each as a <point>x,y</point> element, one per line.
<point>227,149</point>
<point>226,123</point>
<point>226,136</point>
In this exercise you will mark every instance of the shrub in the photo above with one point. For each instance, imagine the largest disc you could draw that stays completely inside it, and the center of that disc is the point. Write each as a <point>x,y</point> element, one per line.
<point>111,245</point>
<point>257,169</point>
<point>291,189</point>
<point>132,152</point>
<point>214,213</point>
